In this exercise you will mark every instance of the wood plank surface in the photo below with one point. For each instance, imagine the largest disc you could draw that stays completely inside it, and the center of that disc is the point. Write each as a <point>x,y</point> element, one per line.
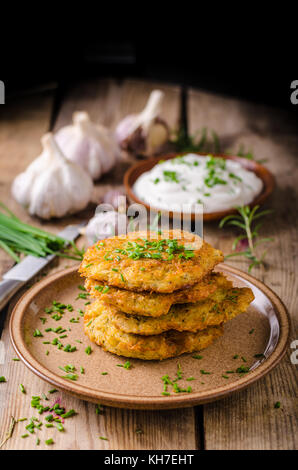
<point>248,420</point>
<point>106,101</point>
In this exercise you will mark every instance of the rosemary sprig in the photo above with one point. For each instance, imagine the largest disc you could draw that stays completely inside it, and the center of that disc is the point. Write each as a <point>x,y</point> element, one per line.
<point>205,140</point>
<point>201,141</point>
<point>245,221</point>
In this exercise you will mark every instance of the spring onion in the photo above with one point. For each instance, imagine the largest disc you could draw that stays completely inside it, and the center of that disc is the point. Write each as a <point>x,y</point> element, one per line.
<point>17,237</point>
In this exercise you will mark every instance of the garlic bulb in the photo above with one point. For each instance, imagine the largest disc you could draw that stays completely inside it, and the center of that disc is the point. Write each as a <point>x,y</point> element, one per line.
<point>52,185</point>
<point>91,146</point>
<point>144,133</point>
<point>104,225</point>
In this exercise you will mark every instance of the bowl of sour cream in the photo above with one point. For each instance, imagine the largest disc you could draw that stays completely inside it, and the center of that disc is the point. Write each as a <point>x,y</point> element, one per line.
<point>179,182</point>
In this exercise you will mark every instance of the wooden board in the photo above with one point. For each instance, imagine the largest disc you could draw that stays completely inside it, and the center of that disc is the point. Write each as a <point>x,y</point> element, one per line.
<point>85,429</point>
<point>249,420</point>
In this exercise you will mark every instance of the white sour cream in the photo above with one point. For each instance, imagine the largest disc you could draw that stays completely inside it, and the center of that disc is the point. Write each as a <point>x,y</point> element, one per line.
<point>216,183</point>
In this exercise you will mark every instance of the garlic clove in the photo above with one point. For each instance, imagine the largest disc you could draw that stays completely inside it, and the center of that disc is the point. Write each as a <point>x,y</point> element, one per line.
<point>145,132</point>
<point>116,198</point>
<point>157,136</point>
<point>104,225</point>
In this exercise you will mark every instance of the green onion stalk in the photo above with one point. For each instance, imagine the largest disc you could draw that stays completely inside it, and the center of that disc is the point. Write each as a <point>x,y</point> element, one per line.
<point>16,237</point>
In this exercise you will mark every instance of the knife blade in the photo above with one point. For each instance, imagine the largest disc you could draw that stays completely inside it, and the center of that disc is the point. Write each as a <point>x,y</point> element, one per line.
<point>29,267</point>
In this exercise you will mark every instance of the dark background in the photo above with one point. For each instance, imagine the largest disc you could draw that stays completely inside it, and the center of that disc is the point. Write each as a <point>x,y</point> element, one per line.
<point>252,66</point>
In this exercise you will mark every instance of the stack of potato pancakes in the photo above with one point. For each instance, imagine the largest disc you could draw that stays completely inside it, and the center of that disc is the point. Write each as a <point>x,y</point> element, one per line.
<point>156,295</point>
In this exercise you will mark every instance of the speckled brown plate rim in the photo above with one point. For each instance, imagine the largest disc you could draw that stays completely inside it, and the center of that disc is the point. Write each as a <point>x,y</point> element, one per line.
<point>136,401</point>
<point>261,171</point>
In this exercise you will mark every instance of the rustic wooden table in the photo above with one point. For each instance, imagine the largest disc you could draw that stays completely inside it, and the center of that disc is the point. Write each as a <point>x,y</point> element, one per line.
<point>245,420</point>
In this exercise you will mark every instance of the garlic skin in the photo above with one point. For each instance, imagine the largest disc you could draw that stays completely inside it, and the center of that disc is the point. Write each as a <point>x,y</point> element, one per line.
<point>52,185</point>
<point>117,198</point>
<point>144,133</point>
<point>91,146</point>
<point>104,225</point>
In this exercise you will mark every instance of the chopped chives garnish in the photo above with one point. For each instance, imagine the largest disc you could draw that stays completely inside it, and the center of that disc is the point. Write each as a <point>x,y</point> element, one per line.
<point>204,372</point>
<point>103,438</point>
<point>60,427</point>
<point>88,350</point>
<point>70,376</point>
<point>68,368</point>
<point>197,356</point>
<point>2,379</point>
<point>22,388</point>
<point>49,442</point>
<point>15,359</point>
<point>99,288</point>
<point>69,414</point>
<point>82,370</point>
<point>277,404</point>
<point>242,370</point>
<point>82,296</point>
<point>104,373</point>
<point>126,365</point>
<point>24,435</point>
<point>37,333</point>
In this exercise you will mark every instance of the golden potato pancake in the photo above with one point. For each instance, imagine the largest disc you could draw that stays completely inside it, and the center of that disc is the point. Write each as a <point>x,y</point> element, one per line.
<point>187,317</point>
<point>150,261</point>
<point>154,304</point>
<point>99,329</point>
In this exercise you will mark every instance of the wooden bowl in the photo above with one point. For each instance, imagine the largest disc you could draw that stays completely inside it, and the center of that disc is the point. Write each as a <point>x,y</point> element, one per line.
<point>133,173</point>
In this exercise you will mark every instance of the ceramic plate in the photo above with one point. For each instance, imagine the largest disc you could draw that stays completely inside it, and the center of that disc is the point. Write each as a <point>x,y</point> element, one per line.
<point>262,330</point>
